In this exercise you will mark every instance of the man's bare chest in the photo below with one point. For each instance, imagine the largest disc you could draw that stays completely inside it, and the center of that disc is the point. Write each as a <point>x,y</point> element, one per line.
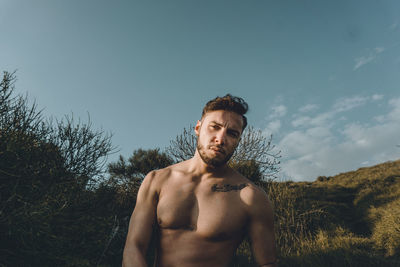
<point>214,212</point>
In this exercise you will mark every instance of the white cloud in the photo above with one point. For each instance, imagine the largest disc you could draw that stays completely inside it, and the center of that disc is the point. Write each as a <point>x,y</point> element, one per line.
<point>321,147</point>
<point>377,97</point>
<point>321,120</point>
<point>308,108</point>
<point>395,112</point>
<point>325,119</point>
<point>300,143</point>
<point>278,111</point>
<point>345,104</point>
<point>355,134</point>
<point>273,127</point>
<point>379,49</point>
<point>303,120</point>
<point>379,118</point>
<point>361,61</point>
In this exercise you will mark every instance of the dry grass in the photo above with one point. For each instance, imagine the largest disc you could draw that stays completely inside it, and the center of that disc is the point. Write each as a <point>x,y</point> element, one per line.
<point>337,248</point>
<point>386,232</point>
<point>352,219</point>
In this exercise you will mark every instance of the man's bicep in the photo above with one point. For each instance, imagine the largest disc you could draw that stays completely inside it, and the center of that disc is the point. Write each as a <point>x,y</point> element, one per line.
<point>261,232</point>
<point>144,214</point>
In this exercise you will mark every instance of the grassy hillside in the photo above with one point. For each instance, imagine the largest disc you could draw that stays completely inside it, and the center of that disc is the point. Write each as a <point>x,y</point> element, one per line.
<point>351,219</point>
<point>375,203</point>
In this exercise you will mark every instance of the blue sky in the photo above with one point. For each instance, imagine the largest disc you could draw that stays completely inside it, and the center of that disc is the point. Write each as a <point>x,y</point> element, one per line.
<point>322,76</point>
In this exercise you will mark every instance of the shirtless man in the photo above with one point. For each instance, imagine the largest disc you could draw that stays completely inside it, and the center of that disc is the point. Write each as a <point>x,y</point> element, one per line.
<point>201,207</point>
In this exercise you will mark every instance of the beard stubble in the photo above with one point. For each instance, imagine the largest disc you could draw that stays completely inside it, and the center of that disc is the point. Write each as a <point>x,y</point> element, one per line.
<point>213,161</point>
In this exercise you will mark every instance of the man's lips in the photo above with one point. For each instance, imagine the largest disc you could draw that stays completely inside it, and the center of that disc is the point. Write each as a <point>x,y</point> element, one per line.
<point>217,149</point>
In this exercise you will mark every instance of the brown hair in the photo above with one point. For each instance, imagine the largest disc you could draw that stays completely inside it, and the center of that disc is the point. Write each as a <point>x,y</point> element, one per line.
<point>229,103</point>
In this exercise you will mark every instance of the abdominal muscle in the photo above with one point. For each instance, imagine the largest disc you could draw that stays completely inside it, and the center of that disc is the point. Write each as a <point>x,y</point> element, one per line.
<point>189,248</point>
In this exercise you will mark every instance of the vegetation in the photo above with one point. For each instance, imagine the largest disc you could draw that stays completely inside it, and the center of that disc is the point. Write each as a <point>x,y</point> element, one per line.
<point>60,206</point>
<point>46,172</point>
<point>353,219</point>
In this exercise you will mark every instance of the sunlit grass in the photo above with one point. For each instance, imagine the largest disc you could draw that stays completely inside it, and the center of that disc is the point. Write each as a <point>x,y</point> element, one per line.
<point>352,219</point>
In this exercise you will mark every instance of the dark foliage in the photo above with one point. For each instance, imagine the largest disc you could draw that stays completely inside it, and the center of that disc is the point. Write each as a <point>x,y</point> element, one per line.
<point>45,173</point>
<point>138,165</point>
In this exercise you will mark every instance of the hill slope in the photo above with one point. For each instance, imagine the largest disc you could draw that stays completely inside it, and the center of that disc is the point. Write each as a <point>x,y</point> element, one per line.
<point>350,219</point>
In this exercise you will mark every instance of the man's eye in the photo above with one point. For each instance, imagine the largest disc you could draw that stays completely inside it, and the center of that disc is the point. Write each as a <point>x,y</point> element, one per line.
<point>233,134</point>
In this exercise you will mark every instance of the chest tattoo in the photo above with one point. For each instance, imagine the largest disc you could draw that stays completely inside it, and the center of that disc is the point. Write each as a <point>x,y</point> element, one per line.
<point>227,187</point>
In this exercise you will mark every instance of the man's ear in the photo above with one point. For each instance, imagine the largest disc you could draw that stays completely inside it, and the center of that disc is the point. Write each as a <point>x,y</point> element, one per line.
<point>197,128</point>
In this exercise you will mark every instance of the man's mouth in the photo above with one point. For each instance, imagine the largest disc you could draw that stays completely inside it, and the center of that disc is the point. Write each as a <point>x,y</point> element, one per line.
<point>217,149</point>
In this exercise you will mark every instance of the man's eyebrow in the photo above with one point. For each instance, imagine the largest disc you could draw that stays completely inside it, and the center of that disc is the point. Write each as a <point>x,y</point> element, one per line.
<point>217,123</point>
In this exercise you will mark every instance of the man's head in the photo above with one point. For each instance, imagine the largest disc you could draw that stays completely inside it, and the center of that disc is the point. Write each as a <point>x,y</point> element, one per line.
<point>228,103</point>
<point>220,128</point>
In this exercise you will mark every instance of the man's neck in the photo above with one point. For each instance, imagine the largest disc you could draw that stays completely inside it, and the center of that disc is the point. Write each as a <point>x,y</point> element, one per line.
<point>199,167</point>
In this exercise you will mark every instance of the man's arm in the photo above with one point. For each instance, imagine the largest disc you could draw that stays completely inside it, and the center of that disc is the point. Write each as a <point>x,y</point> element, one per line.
<point>261,229</point>
<point>141,224</point>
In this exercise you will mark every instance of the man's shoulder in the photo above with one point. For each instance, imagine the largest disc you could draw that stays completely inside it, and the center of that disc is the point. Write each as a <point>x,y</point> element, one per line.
<point>160,176</point>
<point>254,197</point>
<point>251,190</point>
<point>253,193</point>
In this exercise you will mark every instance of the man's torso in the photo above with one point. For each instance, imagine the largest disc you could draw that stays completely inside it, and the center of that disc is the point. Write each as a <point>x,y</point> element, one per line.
<point>200,221</point>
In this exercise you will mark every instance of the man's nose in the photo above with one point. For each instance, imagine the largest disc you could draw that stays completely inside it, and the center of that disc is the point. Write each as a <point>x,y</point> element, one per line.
<point>220,137</point>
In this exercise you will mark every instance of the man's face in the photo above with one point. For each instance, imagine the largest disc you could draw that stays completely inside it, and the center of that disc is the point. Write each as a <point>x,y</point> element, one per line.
<point>218,135</point>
